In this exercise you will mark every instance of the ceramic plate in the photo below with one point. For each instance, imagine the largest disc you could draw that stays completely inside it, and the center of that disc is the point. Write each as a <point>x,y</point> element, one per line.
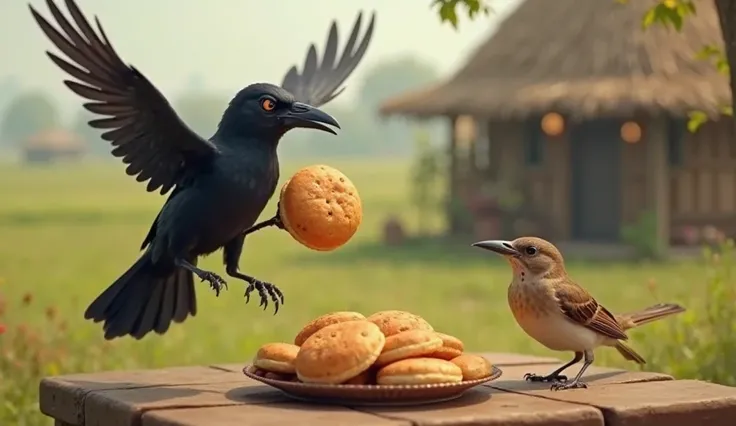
<point>372,394</point>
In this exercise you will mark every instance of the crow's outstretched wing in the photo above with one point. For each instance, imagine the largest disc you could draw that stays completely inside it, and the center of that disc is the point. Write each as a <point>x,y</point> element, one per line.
<point>140,123</point>
<point>319,82</point>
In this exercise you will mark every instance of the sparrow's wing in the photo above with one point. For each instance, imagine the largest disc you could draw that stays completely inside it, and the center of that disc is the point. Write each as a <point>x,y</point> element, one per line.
<point>141,125</point>
<point>578,305</point>
<point>319,82</point>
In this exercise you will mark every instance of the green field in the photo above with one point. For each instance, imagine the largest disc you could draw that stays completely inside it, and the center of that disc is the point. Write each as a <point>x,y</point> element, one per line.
<point>68,231</point>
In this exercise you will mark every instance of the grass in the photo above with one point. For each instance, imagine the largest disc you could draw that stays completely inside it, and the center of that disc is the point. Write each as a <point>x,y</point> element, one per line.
<point>67,231</point>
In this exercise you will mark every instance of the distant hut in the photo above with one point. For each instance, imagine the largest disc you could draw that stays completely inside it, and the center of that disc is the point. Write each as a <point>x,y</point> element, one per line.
<point>53,145</point>
<point>583,113</point>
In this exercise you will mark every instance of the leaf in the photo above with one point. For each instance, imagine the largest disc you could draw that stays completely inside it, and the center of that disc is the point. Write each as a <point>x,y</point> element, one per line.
<point>707,52</point>
<point>727,111</point>
<point>649,18</point>
<point>669,13</point>
<point>676,20</point>
<point>447,9</point>
<point>696,119</point>
<point>716,55</point>
<point>722,66</point>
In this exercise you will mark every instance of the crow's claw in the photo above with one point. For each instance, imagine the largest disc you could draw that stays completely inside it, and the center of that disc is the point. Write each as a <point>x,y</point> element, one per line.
<point>265,291</point>
<point>572,385</point>
<point>216,282</point>
<point>531,377</point>
<point>277,222</point>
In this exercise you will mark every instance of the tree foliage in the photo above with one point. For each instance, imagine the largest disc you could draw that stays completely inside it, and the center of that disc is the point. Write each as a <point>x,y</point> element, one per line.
<point>201,111</point>
<point>393,77</point>
<point>91,136</point>
<point>447,9</point>
<point>363,133</point>
<point>672,14</point>
<point>27,114</point>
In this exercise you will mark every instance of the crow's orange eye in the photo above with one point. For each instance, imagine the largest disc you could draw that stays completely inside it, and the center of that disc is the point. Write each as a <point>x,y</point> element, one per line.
<point>268,104</point>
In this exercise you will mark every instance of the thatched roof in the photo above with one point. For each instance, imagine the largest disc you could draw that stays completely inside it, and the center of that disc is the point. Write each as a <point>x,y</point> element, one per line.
<point>581,58</point>
<point>54,140</point>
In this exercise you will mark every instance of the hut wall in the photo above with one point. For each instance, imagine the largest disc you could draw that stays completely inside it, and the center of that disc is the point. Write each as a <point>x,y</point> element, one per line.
<point>703,178</point>
<point>537,166</point>
<point>634,178</point>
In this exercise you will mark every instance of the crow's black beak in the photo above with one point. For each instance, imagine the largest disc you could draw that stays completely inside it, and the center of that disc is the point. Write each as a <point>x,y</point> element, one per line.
<point>504,248</point>
<point>308,117</point>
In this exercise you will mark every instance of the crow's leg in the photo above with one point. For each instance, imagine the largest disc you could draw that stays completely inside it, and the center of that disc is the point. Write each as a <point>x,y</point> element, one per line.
<point>216,281</point>
<point>265,290</point>
<point>274,221</point>
<point>554,376</point>
<point>576,383</point>
<point>232,251</point>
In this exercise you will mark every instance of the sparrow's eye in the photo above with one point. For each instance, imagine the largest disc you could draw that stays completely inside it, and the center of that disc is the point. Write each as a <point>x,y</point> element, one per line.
<point>268,104</point>
<point>531,250</point>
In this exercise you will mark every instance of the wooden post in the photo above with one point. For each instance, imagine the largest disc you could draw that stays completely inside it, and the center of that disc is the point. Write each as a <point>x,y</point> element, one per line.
<point>557,161</point>
<point>658,180</point>
<point>452,217</point>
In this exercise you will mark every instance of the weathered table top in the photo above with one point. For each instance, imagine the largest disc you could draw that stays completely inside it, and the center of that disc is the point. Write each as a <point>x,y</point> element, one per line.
<point>220,395</point>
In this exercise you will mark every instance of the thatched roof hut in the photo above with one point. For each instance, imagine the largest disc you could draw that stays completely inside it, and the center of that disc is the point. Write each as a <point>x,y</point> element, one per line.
<point>52,144</point>
<point>580,117</point>
<point>581,58</point>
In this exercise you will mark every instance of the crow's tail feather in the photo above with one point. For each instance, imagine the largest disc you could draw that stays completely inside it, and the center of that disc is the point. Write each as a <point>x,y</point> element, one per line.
<point>145,298</point>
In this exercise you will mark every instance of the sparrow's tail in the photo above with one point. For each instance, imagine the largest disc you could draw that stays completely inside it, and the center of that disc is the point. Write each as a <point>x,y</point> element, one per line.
<point>147,297</point>
<point>629,353</point>
<point>647,315</point>
<point>644,316</point>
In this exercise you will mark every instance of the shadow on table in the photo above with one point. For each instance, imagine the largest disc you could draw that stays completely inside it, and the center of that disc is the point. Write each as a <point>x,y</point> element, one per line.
<point>256,394</point>
<point>472,397</point>
<point>265,394</point>
<point>523,385</point>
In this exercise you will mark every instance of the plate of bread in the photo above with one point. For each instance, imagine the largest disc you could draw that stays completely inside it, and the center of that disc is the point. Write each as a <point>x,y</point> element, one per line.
<point>388,358</point>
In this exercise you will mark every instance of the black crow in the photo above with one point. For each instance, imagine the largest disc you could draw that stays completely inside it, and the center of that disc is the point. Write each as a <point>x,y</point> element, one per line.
<point>218,186</point>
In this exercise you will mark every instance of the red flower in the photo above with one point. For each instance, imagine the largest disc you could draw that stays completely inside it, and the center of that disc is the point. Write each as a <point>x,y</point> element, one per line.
<point>3,328</point>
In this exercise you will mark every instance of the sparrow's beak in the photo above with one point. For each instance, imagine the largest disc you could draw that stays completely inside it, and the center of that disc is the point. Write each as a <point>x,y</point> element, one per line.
<point>308,117</point>
<point>504,248</point>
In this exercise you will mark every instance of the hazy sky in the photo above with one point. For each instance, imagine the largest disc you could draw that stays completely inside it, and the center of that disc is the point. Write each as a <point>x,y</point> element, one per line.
<point>232,43</point>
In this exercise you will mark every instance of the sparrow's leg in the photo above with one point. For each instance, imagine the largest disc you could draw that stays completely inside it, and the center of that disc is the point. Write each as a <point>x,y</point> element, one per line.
<point>274,221</point>
<point>554,376</point>
<point>216,281</point>
<point>576,383</point>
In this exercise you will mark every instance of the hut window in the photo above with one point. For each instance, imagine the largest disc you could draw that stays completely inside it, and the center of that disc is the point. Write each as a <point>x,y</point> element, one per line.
<point>675,141</point>
<point>630,132</point>
<point>482,146</point>
<point>533,143</point>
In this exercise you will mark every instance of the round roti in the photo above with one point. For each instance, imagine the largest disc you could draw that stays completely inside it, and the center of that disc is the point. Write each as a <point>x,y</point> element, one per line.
<point>339,352</point>
<point>320,207</point>
<point>394,322</point>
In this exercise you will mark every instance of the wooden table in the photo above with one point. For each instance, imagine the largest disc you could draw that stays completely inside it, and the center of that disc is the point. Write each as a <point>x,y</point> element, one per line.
<point>220,395</point>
